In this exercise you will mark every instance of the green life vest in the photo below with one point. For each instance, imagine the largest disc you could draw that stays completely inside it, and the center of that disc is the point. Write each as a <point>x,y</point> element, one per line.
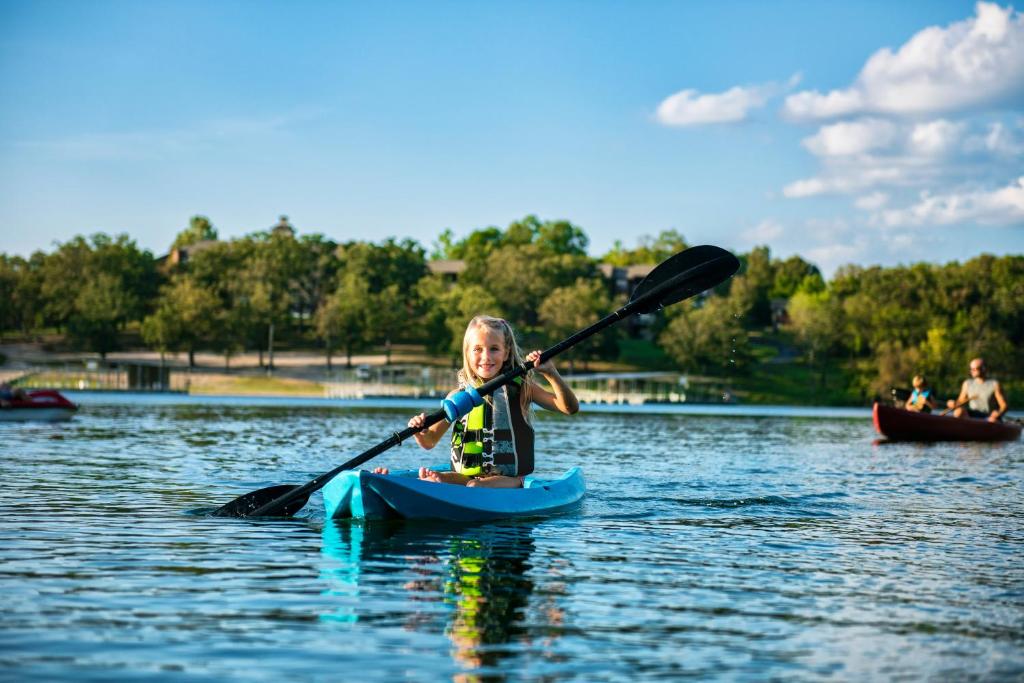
<point>494,438</point>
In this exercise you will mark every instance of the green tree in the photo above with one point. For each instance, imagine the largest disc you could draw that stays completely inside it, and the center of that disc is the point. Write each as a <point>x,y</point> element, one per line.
<point>101,307</point>
<point>940,359</point>
<point>161,330</point>
<point>314,276</point>
<point>568,309</point>
<point>199,229</point>
<point>793,275</point>
<point>816,319</point>
<point>649,250</point>
<point>708,336</point>
<point>445,310</point>
<point>391,262</point>
<point>79,261</point>
<point>473,248</point>
<point>342,320</point>
<point>387,313</point>
<point>186,318</point>
<point>522,277</point>
<point>892,365</point>
<point>561,237</point>
<point>752,286</point>
<point>20,293</point>
<point>553,237</point>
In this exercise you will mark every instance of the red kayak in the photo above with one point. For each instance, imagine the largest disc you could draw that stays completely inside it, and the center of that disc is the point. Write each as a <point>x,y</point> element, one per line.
<point>898,424</point>
<point>38,404</point>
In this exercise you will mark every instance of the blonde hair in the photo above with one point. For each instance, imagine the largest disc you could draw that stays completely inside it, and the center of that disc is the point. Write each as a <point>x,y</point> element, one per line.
<point>467,377</point>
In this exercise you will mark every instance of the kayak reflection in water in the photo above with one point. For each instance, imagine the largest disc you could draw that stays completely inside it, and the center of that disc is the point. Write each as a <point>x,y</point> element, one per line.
<point>483,574</point>
<point>980,397</point>
<point>492,446</point>
<point>486,581</point>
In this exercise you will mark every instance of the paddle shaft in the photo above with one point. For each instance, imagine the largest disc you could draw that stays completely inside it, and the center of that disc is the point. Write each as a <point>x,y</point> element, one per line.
<point>958,405</point>
<point>493,385</point>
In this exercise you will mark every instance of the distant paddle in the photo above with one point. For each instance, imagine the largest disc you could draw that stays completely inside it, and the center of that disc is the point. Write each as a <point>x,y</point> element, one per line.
<point>947,411</point>
<point>678,277</point>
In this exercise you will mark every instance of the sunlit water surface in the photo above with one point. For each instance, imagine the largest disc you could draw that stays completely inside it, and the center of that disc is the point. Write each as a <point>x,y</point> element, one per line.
<point>785,545</point>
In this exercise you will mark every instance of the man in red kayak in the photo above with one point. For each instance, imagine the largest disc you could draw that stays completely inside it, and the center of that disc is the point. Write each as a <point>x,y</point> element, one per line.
<point>980,397</point>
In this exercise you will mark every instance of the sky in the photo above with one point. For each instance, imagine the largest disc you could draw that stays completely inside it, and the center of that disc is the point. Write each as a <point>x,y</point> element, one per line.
<point>866,132</point>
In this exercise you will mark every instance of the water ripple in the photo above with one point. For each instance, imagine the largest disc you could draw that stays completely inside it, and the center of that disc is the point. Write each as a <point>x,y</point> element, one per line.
<point>709,546</point>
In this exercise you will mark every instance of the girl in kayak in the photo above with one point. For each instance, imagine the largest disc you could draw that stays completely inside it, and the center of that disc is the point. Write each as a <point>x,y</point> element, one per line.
<point>492,445</point>
<point>921,399</point>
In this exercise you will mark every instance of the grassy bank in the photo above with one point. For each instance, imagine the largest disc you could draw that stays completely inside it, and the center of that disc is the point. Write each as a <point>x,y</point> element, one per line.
<point>245,385</point>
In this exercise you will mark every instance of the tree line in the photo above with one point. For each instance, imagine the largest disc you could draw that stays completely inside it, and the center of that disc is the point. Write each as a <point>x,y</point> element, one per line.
<point>274,288</point>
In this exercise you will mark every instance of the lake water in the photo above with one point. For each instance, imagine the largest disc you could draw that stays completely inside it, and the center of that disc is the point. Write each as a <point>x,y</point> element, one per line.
<point>726,543</point>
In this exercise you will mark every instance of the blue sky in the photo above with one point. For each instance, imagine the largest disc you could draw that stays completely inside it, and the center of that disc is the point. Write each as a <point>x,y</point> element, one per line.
<point>866,132</point>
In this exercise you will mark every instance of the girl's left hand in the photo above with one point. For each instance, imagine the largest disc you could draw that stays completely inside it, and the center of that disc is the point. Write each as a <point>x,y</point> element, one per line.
<point>546,367</point>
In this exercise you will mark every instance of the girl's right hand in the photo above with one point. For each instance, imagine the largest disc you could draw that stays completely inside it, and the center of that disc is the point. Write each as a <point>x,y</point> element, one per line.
<point>380,470</point>
<point>545,368</point>
<point>417,421</point>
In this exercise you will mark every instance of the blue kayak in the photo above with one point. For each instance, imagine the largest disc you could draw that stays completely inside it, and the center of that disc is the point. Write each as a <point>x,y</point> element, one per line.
<point>362,494</point>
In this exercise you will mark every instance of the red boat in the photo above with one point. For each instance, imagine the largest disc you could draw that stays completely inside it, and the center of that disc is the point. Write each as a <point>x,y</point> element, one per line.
<point>37,404</point>
<point>899,424</point>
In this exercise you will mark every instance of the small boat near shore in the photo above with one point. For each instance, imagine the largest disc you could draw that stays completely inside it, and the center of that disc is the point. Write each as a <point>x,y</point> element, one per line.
<point>402,495</point>
<point>47,405</point>
<point>898,424</point>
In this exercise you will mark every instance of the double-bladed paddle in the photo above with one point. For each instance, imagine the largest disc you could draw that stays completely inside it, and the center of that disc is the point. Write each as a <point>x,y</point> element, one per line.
<point>679,277</point>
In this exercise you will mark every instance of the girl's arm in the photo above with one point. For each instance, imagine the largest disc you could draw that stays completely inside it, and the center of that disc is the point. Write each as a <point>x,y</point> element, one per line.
<point>563,400</point>
<point>429,437</point>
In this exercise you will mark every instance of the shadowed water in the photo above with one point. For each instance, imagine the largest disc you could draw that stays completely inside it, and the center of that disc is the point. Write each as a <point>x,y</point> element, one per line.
<point>732,546</point>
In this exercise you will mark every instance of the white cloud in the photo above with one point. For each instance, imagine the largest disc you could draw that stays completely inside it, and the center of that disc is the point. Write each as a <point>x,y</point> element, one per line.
<point>691,108</point>
<point>935,137</point>
<point>903,242</point>
<point>872,135</point>
<point>845,183</point>
<point>968,64</point>
<point>872,202</point>
<point>1004,206</point>
<point>805,188</point>
<point>830,257</point>
<point>763,233</point>
<point>871,152</point>
<point>851,138</point>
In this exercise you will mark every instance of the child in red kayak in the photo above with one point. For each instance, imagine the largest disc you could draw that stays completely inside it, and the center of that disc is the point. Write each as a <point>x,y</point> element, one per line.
<point>492,445</point>
<point>921,400</point>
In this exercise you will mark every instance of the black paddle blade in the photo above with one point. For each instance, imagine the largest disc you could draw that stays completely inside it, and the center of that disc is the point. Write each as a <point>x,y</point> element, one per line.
<point>254,500</point>
<point>710,267</point>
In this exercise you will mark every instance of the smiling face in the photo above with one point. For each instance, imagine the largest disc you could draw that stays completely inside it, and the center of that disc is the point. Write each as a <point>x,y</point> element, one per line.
<point>485,352</point>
